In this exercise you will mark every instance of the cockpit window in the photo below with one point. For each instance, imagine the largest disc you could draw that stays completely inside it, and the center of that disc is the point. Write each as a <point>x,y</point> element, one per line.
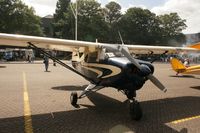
<point>92,57</point>
<point>114,54</point>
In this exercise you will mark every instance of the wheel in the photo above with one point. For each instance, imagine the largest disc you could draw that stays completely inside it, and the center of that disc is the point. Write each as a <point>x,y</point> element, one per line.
<point>74,98</point>
<point>135,111</point>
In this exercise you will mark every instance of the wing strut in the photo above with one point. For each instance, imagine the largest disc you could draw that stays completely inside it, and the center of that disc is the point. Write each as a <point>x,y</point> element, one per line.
<point>58,61</point>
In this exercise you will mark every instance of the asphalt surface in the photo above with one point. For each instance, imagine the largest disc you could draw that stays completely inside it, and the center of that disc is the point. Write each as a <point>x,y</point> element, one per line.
<point>48,103</point>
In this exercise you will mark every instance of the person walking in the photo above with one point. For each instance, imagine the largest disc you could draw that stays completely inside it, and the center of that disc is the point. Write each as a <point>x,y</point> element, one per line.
<point>46,63</point>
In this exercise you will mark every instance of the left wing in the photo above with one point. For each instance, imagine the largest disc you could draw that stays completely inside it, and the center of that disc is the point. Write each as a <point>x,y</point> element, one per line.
<point>70,45</point>
<point>146,49</point>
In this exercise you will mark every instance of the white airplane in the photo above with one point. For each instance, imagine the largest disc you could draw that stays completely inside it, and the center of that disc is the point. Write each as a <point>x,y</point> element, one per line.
<point>102,64</point>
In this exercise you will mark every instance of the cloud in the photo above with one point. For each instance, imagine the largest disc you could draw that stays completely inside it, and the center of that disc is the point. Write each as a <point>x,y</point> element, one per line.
<point>42,7</point>
<point>187,9</point>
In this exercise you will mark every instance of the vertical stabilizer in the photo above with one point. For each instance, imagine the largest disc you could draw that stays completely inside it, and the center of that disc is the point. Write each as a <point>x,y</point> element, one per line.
<point>177,65</point>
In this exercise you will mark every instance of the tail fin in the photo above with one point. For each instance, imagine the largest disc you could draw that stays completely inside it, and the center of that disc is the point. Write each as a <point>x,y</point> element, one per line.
<point>197,45</point>
<point>177,65</point>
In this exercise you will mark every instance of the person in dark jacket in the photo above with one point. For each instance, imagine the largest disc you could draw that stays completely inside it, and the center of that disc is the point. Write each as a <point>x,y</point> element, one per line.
<point>46,63</point>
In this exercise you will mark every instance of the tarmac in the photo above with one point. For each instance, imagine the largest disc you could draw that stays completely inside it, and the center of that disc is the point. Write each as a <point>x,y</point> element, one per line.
<point>32,100</point>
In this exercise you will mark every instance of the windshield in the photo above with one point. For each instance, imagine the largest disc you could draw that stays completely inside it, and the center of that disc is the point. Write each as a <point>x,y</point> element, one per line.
<point>114,54</point>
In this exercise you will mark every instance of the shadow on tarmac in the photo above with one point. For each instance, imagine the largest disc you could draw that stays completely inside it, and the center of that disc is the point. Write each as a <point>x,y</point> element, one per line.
<point>2,66</point>
<point>70,88</point>
<point>111,115</point>
<point>195,87</point>
<point>184,76</point>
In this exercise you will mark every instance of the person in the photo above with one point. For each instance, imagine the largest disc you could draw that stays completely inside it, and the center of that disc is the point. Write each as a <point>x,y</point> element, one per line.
<point>46,63</point>
<point>54,55</point>
<point>29,58</point>
<point>186,62</point>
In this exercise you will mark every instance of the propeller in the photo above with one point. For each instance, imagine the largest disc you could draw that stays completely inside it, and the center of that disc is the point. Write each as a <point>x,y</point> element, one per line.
<point>152,78</point>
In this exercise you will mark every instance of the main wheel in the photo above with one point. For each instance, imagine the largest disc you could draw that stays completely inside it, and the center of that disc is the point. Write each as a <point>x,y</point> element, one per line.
<point>135,111</point>
<point>74,98</point>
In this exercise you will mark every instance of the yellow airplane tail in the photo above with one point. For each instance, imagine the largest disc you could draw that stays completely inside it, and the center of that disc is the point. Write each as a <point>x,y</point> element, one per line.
<point>196,45</point>
<point>177,65</point>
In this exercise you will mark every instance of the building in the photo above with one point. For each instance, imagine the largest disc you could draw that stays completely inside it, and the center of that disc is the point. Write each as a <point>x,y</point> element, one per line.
<point>192,38</point>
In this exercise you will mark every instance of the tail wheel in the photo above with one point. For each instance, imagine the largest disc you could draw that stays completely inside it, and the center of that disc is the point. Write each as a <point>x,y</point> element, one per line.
<point>74,98</point>
<point>135,111</point>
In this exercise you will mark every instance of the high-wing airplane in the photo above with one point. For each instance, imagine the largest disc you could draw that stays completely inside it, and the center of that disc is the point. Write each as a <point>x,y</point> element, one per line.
<point>179,67</point>
<point>102,64</point>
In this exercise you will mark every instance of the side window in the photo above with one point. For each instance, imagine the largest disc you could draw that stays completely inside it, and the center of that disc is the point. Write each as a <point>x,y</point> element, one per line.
<point>92,57</point>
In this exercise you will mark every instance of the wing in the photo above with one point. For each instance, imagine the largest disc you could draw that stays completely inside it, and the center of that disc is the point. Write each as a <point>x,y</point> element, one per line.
<point>142,49</point>
<point>70,45</point>
<point>43,42</point>
<point>193,70</point>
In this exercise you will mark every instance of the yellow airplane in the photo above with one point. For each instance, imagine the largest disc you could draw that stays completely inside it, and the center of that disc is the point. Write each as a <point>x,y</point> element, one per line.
<point>179,67</point>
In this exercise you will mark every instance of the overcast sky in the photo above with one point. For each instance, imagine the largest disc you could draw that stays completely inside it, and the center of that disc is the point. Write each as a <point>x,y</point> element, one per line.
<point>187,9</point>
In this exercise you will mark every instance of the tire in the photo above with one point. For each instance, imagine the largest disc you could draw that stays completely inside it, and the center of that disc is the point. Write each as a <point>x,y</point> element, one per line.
<point>74,98</point>
<point>135,111</point>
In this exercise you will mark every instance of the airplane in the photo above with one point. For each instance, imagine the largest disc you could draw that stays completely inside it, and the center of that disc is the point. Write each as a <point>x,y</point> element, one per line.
<point>179,67</point>
<point>102,64</point>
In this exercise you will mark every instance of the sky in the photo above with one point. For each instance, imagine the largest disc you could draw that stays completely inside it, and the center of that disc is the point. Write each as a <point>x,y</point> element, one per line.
<point>187,9</point>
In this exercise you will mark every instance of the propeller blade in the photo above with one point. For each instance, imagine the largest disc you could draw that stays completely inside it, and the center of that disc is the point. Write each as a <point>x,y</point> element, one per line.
<point>157,83</point>
<point>153,79</point>
<point>126,53</point>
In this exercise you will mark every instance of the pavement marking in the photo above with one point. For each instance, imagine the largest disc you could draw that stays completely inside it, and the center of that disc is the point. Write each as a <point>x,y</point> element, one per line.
<point>185,119</point>
<point>27,110</point>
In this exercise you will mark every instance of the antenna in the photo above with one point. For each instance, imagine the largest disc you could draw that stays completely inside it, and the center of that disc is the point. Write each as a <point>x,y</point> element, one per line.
<point>121,38</point>
<point>75,13</point>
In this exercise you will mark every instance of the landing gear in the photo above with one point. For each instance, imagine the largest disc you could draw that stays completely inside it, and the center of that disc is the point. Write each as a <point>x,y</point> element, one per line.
<point>135,110</point>
<point>74,98</point>
<point>90,88</point>
<point>134,107</point>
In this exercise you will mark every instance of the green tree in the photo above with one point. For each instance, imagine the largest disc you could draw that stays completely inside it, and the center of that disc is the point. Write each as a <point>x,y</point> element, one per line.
<point>112,12</point>
<point>16,17</point>
<point>91,22</point>
<point>171,26</point>
<point>139,26</point>
<point>63,20</point>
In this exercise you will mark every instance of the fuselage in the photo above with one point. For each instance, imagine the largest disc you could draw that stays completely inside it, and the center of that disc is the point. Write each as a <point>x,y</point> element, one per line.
<point>117,72</point>
<point>192,70</point>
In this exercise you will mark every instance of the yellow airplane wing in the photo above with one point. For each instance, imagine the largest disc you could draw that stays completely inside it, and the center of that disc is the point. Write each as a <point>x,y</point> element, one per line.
<point>193,70</point>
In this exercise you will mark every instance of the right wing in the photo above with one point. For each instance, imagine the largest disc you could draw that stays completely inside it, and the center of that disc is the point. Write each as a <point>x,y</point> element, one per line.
<point>43,42</point>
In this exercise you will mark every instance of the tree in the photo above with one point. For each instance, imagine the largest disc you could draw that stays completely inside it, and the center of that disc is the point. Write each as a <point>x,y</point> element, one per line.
<point>63,20</point>
<point>91,24</point>
<point>171,28</point>
<point>16,17</point>
<point>139,26</point>
<point>112,12</point>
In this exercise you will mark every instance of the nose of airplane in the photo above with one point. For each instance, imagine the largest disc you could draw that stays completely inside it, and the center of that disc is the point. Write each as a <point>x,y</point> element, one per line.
<point>145,70</point>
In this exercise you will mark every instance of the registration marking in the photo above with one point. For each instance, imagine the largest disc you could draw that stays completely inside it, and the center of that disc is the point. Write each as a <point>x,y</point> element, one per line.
<point>27,111</point>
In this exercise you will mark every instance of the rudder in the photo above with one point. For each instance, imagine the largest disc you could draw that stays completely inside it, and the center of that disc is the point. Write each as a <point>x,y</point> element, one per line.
<point>177,65</point>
